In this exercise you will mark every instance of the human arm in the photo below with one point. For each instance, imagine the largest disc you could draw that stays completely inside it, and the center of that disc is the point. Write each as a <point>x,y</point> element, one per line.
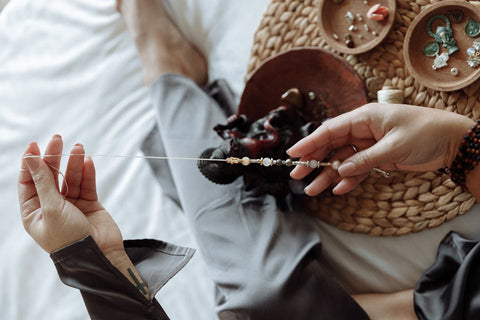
<point>84,241</point>
<point>388,136</point>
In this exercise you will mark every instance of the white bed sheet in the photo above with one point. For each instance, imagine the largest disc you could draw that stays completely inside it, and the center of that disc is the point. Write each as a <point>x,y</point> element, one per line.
<point>70,67</point>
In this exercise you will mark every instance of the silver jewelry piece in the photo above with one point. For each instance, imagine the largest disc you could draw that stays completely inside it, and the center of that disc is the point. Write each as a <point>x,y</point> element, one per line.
<point>473,59</point>
<point>440,61</point>
<point>350,17</point>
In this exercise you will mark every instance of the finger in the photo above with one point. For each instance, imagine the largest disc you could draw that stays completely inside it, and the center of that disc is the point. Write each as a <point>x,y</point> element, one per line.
<point>44,182</point>
<point>334,133</point>
<point>54,147</point>
<point>326,178</point>
<point>329,176</point>
<point>364,161</point>
<point>348,184</point>
<point>26,186</point>
<point>88,187</point>
<point>73,175</point>
<point>341,154</point>
<point>300,172</point>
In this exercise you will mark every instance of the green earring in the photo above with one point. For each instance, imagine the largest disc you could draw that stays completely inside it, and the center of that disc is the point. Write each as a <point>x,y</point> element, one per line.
<point>443,34</point>
<point>472,28</point>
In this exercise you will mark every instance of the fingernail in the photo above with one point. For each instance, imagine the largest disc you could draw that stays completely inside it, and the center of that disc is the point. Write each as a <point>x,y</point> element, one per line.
<point>346,169</point>
<point>57,137</point>
<point>78,145</point>
<point>306,190</point>
<point>292,173</point>
<point>32,161</point>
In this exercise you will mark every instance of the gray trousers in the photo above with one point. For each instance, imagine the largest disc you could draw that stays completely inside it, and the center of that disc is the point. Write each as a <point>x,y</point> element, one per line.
<point>266,264</point>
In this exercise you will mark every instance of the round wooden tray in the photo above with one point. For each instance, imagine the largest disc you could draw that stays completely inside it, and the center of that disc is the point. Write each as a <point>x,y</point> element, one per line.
<point>309,70</point>
<point>420,65</point>
<point>332,21</point>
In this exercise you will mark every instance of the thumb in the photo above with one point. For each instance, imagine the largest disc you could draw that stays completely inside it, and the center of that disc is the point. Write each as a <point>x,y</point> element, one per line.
<point>44,181</point>
<point>364,161</point>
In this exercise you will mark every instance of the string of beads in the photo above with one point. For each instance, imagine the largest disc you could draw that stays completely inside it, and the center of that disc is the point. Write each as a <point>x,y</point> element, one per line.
<point>467,157</point>
<point>267,162</point>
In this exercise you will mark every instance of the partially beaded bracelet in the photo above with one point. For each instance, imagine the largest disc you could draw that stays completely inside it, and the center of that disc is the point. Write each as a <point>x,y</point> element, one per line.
<point>468,156</point>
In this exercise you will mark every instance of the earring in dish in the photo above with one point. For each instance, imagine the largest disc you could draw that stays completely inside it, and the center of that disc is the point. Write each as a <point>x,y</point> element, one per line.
<point>454,71</point>
<point>431,49</point>
<point>473,59</point>
<point>440,61</point>
<point>472,28</point>
<point>443,34</point>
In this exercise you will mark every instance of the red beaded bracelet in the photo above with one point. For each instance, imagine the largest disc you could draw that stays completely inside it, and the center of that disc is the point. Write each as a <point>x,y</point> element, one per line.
<point>468,156</point>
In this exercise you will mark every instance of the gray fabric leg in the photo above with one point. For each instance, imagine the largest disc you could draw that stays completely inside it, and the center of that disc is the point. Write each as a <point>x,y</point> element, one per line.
<point>153,145</point>
<point>263,262</point>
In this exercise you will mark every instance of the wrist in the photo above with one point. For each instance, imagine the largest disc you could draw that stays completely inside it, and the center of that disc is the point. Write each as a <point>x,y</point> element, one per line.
<point>459,130</point>
<point>467,157</point>
<point>120,260</point>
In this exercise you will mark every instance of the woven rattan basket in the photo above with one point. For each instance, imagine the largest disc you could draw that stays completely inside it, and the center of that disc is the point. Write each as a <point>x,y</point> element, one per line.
<point>406,202</point>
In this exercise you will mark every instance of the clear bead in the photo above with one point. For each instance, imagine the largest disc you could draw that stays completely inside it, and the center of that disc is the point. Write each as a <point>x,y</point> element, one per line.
<point>267,162</point>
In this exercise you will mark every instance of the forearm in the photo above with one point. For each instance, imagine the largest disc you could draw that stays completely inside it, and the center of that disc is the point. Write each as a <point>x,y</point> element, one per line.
<point>392,306</point>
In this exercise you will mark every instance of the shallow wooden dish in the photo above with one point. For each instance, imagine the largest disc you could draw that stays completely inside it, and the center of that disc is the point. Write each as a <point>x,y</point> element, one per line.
<point>420,65</point>
<point>310,70</point>
<point>332,21</point>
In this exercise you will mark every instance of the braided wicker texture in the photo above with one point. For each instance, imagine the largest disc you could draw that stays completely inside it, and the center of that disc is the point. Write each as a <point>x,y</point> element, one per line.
<point>406,202</point>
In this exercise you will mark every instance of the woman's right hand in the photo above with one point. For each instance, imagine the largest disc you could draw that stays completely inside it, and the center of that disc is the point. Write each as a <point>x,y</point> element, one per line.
<point>388,136</point>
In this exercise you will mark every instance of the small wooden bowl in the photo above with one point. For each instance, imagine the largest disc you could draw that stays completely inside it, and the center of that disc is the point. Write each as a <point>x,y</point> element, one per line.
<point>309,70</point>
<point>420,65</point>
<point>332,21</point>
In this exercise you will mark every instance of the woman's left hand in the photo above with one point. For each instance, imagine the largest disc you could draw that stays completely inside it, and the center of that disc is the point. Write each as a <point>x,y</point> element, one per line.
<point>55,219</point>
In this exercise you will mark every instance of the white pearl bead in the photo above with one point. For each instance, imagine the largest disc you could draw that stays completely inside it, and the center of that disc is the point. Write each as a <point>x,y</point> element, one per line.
<point>336,165</point>
<point>313,164</point>
<point>267,162</point>
<point>245,161</point>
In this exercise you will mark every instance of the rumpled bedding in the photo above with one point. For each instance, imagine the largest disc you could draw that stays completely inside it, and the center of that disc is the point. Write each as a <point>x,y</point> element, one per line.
<point>70,67</point>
